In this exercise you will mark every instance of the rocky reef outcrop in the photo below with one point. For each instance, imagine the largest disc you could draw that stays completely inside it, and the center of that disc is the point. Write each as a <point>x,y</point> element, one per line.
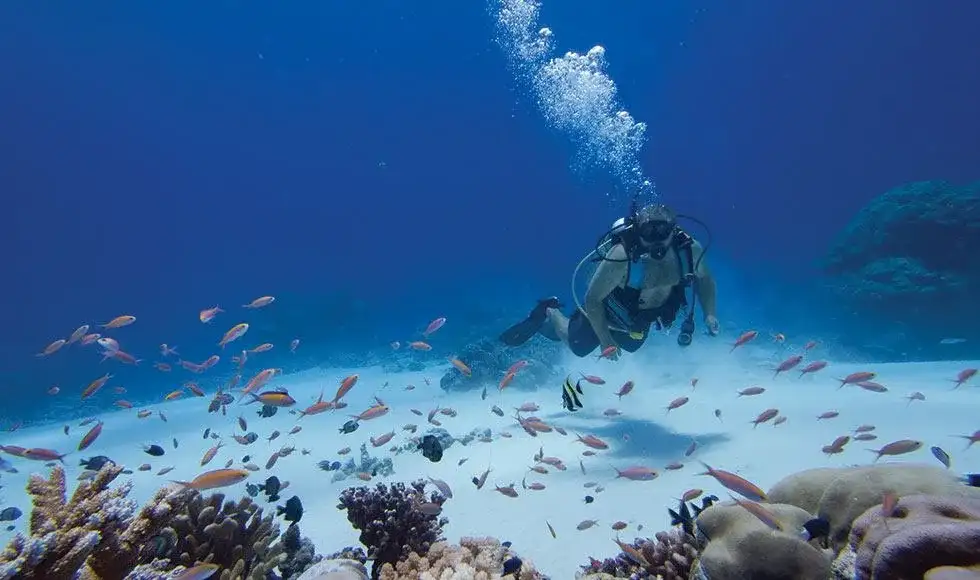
<point>910,256</point>
<point>488,359</point>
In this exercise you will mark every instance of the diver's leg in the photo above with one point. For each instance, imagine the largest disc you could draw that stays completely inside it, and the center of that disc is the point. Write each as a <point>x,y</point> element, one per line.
<point>555,326</point>
<point>523,331</point>
<point>579,334</point>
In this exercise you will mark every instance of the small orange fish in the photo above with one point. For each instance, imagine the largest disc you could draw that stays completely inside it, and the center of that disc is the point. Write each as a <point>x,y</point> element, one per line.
<point>963,376</point>
<point>856,378</point>
<point>434,326</point>
<point>120,321</point>
<point>735,483</point>
<point>52,348</point>
<point>95,385</point>
<point>208,314</point>
<point>264,347</point>
<point>174,395</point>
<point>233,334</point>
<point>273,399</point>
<point>78,334</point>
<point>372,413</point>
<point>215,479</point>
<point>260,302</point>
<point>461,367</point>
<point>345,386</point>
<point>504,382</point>
<point>419,345</point>
<point>90,437</point>
<point>744,338</point>
<point>609,352</point>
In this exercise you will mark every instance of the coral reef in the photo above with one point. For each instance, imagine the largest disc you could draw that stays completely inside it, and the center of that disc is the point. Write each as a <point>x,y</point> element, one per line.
<point>906,251</point>
<point>921,533</point>
<point>669,555</point>
<point>392,521</point>
<point>489,360</point>
<point>342,569</point>
<point>300,553</point>
<point>234,535</point>
<point>472,559</point>
<point>376,466</point>
<point>738,545</point>
<point>840,495</point>
<point>97,533</point>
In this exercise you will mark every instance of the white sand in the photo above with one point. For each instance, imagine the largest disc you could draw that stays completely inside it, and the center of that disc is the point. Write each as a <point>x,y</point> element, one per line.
<point>764,454</point>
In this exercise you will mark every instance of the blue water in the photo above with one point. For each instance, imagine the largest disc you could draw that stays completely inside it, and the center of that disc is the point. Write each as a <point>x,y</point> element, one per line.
<point>376,165</point>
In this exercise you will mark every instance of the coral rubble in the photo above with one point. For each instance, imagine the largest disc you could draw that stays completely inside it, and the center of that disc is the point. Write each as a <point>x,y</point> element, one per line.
<point>472,559</point>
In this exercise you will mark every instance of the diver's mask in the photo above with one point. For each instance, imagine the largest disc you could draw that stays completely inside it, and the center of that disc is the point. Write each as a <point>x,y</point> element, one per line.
<point>653,236</point>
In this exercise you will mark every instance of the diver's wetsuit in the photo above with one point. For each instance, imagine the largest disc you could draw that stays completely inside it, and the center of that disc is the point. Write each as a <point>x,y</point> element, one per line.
<point>623,311</point>
<point>623,308</point>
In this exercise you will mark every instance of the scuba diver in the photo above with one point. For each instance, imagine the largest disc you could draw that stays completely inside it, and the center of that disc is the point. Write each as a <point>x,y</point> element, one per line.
<point>646,265</point>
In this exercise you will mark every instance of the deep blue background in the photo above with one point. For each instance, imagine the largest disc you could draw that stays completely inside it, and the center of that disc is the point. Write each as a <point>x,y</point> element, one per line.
<point>374,165</point>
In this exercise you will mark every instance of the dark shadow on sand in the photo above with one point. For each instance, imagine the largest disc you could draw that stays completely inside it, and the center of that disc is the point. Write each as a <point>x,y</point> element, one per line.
<point>647,440</point>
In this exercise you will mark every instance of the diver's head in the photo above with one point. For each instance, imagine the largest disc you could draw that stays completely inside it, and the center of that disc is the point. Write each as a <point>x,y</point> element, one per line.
<point>655,226</point>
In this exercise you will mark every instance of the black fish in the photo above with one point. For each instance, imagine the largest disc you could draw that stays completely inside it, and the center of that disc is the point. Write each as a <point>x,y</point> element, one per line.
<point>569,395</point>
<point>506,544</point>
<point>972,479</point>
<point>95,463</point>
<point>271,488</point>
<point>267,411</point>
<point>10,514</point>
<point>706,502</point>
<point>154,450</point>
<point>817,528</point>
<point>349,427</point>
<point>252,489</point>
<point>431,448</point>
<point>942,456</point>
<point>589,499</point>
<point>207,433</point>
<point>246,459</point>
<point>682,517</point>
<point>512,566</point>
<point>175,443</point>
<point>293,512</point>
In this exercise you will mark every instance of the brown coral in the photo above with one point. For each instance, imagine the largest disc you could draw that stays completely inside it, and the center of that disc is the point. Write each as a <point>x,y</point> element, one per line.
<point>922,533</point>
<point>668,555</point>
<point>92,533</point>
<point>472,559</point>
<point>99,534</point>
<point>234,535</point>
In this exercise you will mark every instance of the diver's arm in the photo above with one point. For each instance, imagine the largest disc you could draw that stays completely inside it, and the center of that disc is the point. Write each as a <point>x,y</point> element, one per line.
<point>610,274</point>
<point>707,289</point>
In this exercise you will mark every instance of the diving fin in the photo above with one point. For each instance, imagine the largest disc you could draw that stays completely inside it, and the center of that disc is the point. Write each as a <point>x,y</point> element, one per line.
<point>523,331</point>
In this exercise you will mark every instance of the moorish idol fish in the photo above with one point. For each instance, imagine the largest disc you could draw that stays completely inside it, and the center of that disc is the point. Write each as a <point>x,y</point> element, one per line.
<point>570,393</point>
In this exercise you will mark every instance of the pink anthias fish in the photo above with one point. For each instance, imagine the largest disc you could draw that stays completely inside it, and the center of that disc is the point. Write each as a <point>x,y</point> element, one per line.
<point>434,326</point>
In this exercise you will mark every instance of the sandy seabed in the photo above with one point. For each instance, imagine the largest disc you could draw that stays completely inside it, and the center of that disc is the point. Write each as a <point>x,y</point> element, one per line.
<point>644,434</point>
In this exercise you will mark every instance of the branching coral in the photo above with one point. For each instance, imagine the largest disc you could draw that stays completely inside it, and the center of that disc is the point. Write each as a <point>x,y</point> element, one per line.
<point>94,533</point>
<point>234,535</point>
<point>98,533</point>
<point>669,555</point>
<point>392,520</point>
<point>472,559</point>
